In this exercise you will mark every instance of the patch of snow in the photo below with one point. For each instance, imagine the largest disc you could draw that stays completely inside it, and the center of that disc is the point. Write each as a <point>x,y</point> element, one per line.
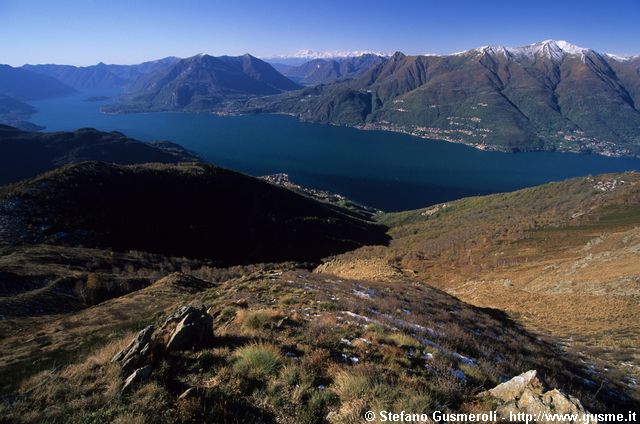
<point>362,294</point>
<point>619,58</point>
<point>461,358</point>
<point>360,317</point>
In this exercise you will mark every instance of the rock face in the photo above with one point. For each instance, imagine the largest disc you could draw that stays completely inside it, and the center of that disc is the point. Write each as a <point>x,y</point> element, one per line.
<point>134,355</point>
<point>195,330</point>
<point>136,377</point>
<point>525,394</point>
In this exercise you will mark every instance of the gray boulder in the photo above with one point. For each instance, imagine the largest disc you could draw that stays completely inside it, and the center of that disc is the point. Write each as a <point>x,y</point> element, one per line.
<point>135,354</point>
<point>194,330</point>
<point>136,378</point>
<point>525,393</point>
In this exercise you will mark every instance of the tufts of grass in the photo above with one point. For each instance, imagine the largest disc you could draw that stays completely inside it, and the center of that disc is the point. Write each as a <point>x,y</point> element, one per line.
<point>401,340</point>
<point>473,372</point>
<point>262,319</point>
<point>361,383</point>
<point>288,300</point>
<point>257,361</point>
<point>228,313</point>
<point>327,305</point>
<point>375,328</point>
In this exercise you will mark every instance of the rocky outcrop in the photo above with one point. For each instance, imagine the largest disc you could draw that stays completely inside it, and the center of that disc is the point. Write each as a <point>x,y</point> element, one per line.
<point>525,394</point>
<point>187,328</point>
<point>195,330</point>
<point>136,378</point>
<point>132,356</point>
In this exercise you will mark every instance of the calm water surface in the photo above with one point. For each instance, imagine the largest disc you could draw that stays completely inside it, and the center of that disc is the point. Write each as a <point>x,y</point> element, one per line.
<point>387,170</point>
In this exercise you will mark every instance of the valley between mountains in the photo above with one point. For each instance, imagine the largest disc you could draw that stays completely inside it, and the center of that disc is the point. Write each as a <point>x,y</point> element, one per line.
<point>142,283</point>
<point>546,96</point>
<point>183,292</point>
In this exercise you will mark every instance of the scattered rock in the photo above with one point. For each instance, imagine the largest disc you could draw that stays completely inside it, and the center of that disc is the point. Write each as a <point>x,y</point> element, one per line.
<point>609,185</point>
<point>513,388</point>
<point>433,210</point>
<point>177,316</point>
<point>134,355</point>
<point>525,393</point>
<point>195,329</point>
<point>135,378</point>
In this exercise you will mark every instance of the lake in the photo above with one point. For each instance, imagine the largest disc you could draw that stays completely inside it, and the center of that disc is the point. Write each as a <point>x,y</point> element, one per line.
<point>386,170</point>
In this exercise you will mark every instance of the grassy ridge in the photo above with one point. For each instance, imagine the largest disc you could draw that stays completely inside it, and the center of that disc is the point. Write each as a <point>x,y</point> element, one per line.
<point>190,210</point>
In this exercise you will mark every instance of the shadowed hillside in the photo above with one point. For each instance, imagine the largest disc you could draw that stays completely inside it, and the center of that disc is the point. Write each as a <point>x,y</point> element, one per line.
<point>26,85</point>
<point>93,253</point>
<point>25,154</point>
<point>187,210</point>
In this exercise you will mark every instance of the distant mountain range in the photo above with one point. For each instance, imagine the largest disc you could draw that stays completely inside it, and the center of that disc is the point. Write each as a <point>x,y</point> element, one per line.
<point>17,86</point>
<point>21,84</point>
<point>25,154</point>
<point>323,71</point>
<point>101,76</point>
<point>550,95</point>
<point>35,82</point>
<point>303,56</point>
<point>546,96</point>
<point>16,113</point>
<point>204,82</point>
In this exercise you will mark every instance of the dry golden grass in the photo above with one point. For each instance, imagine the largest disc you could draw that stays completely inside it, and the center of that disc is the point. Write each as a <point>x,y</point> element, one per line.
<point>377,269</point>
<point>42,343</point>
<point>562,259</point>
<point>257,320</point>
<point>295,347</point>
<point>300,371</point>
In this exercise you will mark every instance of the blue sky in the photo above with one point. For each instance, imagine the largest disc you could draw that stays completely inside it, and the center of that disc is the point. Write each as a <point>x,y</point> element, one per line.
<point>115,31</point>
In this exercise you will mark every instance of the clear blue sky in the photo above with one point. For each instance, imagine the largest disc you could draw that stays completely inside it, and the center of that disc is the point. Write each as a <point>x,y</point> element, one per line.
<point>115,31</point>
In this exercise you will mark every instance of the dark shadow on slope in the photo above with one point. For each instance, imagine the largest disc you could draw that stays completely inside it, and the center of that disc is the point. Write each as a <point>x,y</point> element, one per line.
<point>197,211</point>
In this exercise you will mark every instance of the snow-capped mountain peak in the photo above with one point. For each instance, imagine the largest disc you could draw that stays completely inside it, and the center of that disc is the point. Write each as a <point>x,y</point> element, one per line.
<point>314,54</point>
<point>553,49</point>
<point>550,48</point>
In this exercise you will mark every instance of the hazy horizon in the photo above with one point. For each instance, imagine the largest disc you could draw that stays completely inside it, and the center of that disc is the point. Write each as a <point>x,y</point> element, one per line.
<point>118,32</point>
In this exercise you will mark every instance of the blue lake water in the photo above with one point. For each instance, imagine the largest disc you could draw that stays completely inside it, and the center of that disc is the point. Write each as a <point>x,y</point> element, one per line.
<point>386,170</point>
